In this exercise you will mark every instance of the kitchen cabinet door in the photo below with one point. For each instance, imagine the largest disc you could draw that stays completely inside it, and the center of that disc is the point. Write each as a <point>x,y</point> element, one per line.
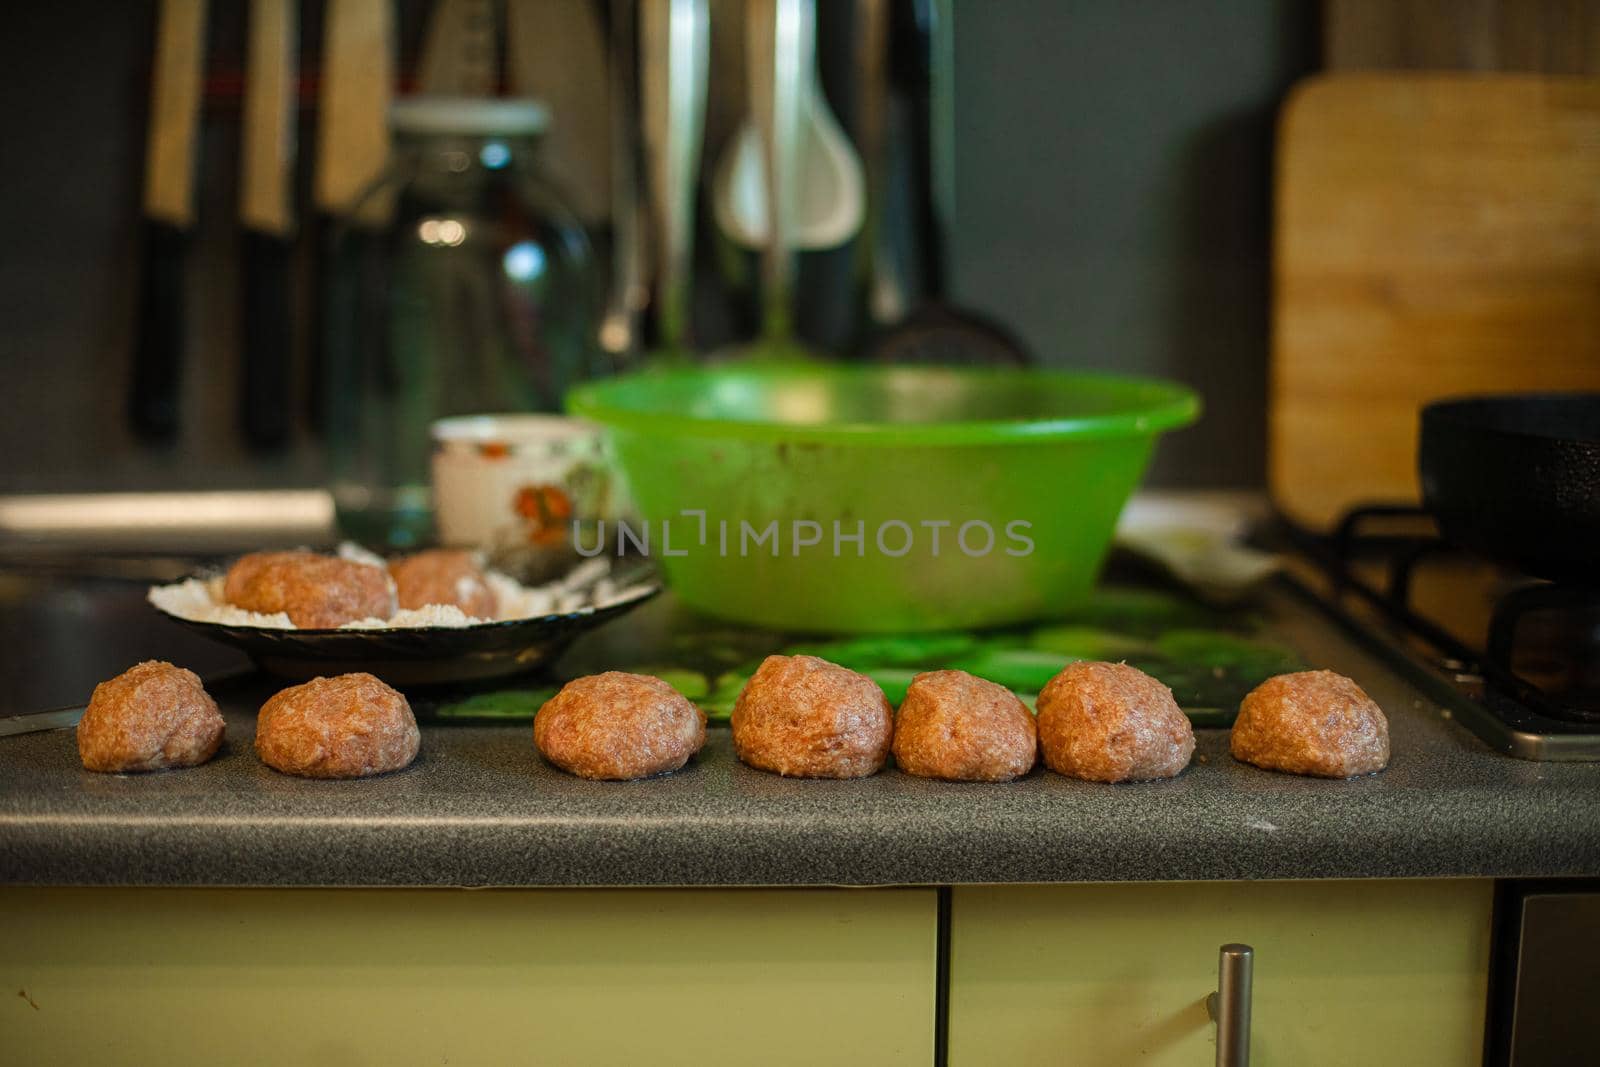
<point>1368,972</point>
<point>399,976</point>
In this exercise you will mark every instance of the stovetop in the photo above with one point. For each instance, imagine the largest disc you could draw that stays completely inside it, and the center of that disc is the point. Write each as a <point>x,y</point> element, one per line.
<point>1518,658</point>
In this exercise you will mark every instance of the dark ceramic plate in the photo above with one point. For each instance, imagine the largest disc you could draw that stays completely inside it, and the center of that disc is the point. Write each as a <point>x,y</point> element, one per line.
<point>420,655</point>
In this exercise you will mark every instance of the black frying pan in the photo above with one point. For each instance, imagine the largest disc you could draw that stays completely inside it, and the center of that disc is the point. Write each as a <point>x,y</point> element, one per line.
<point>1516,478</point>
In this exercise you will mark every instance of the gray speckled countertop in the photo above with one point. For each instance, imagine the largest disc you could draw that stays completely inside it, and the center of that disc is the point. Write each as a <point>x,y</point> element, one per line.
<point>479,808</point>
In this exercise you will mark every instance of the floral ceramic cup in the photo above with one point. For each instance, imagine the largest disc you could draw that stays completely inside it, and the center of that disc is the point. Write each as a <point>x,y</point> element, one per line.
<point>517,487</point>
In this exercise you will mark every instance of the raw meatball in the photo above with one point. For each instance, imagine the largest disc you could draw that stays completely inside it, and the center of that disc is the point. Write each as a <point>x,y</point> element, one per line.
<point>344,727</point>
<point>149,718</point>
<point>317,592</point>
<point>952,725</point>
<point>1109,722</point>
<point>443,576</point>
<point>1315,722</point>
<point>618,726</point>
<point>803,717</point>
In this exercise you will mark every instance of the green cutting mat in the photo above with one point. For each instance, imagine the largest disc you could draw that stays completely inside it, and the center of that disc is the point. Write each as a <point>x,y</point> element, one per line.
<point>1210,657</point>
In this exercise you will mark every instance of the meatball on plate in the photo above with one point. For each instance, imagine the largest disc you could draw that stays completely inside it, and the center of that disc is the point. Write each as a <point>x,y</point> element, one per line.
<point>444,577</point>
<point>316,592</point>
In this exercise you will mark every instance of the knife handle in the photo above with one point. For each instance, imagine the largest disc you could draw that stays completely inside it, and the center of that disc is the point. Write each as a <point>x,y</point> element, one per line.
<point>158,342</point>
<point>267,340</point>
<point>317,316</point>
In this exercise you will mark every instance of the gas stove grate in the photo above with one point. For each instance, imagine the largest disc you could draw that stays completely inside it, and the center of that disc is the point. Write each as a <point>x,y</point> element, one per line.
<point>1520,716</point>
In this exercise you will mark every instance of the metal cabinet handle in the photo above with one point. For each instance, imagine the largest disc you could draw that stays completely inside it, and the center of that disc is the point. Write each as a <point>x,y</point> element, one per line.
<point>1229,1006</point>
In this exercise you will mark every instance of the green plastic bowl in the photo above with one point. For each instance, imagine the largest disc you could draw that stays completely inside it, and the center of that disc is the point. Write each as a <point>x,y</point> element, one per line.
<point>918,461</point>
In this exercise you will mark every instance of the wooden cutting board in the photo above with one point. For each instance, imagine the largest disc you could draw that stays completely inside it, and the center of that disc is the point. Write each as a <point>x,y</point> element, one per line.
<point>1434,235</point>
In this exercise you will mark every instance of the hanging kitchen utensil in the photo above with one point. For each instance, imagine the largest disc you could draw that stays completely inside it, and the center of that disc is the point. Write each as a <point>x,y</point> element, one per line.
<point>460,55</point>
<point>779,36</point>
<point>881,278</point>
<point>352,140</point>
<point>619,328</point>
<point>673,40</point>
<point>937,331</point>
<point>153,402</point>
<point>460,58</point>
<point>555,52</point>
<point>829,196</point>
<point>266,190</point>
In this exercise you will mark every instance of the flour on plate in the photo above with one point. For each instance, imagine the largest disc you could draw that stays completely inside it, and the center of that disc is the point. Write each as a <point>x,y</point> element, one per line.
<point>585,588</point>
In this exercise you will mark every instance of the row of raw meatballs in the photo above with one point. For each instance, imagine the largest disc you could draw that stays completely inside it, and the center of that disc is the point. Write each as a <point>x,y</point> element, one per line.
<point>803,717</point>
<point>798,716</point>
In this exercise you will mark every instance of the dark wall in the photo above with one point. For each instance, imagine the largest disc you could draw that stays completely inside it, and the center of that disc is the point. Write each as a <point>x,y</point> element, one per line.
<point>1112,194</point>
<point>1112,177</point>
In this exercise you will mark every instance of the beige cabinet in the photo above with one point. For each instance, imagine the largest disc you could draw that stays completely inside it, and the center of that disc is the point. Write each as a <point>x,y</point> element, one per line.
<point>1357,972</point>
<point>392,977</point>
<point>1345,972</point>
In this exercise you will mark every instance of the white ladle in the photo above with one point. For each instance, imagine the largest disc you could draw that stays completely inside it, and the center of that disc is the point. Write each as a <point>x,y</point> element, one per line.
<point>830,194</point>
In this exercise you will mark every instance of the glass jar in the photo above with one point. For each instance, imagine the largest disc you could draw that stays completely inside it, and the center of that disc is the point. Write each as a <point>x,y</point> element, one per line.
<point>459,284</point>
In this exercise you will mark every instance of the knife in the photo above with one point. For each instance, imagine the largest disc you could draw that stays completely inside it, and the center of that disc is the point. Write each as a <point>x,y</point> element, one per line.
<point>216,682</point>
<point>169,216</point>
<point>267,216</point>
<point>357,82</point>
<point>352,143</point>
<point>60,719</point>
